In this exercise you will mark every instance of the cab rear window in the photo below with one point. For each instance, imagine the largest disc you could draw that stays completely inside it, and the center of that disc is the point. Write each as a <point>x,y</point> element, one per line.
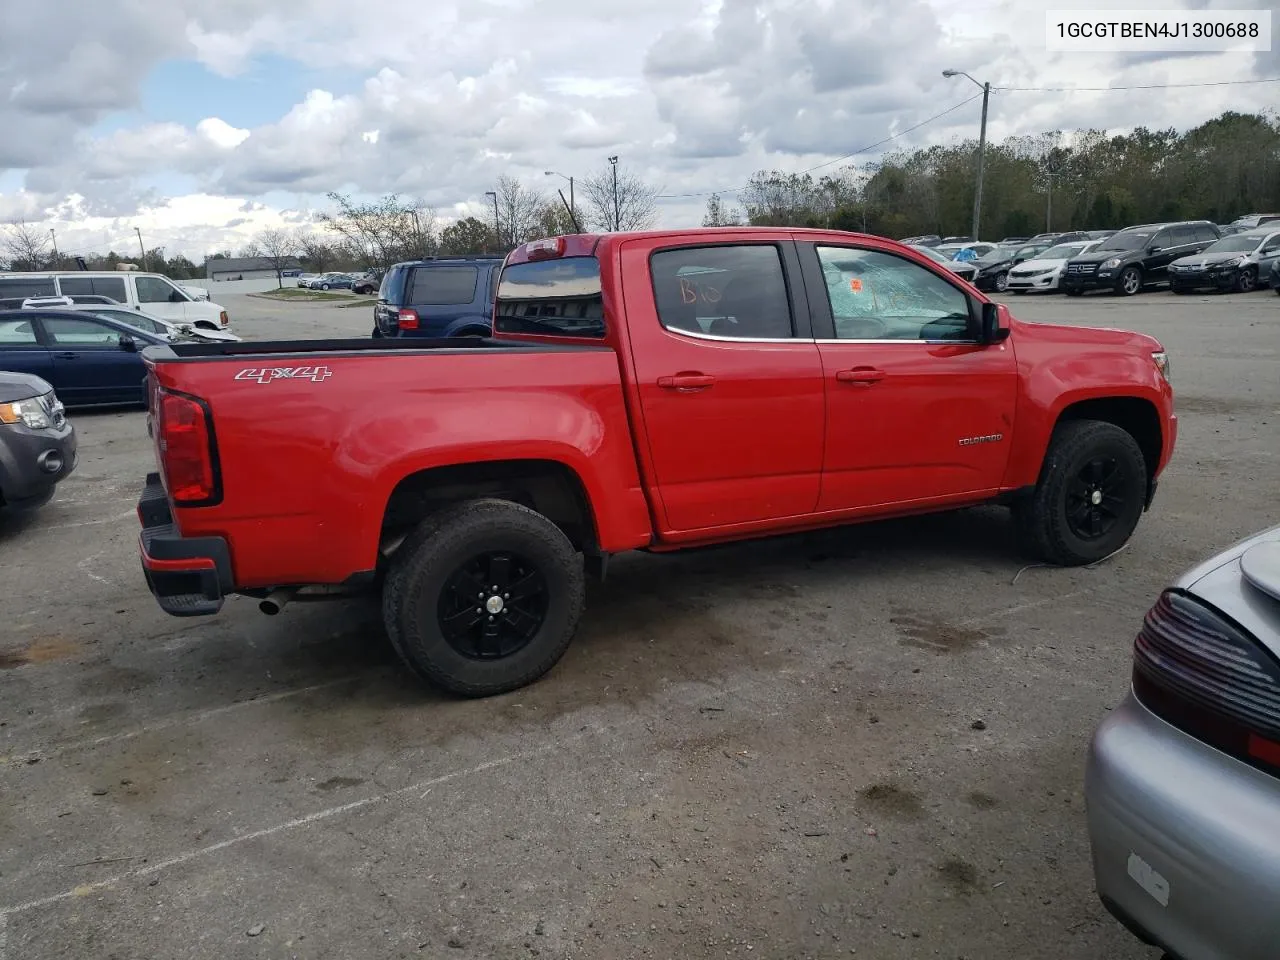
<point>559,297</point>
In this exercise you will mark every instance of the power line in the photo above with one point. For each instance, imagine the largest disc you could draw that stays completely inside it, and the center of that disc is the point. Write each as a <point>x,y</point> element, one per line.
<point>1140,86</point>
<point>827,163</point>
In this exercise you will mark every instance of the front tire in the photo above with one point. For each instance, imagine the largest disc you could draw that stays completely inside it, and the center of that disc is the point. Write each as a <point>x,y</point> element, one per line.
<point>1246,281</point>
<point>1129,282</point>
<point>528,584</point>
<point>1178,289</point>
<point>1090,496</point>
<point>1072,291</point>
<point>324,286</point>
<point>1001,282</point>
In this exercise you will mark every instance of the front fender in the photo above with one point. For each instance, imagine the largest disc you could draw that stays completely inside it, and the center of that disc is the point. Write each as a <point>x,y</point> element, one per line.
<point>1050,384</point>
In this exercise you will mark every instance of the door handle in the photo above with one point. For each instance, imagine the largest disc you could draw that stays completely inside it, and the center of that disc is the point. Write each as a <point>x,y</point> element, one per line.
<point>864,376</point>
<point>686,381</point>
<point>66,355</point>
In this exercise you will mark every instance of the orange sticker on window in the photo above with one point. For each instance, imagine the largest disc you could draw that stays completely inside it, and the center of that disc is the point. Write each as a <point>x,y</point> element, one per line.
<point>855,285</point>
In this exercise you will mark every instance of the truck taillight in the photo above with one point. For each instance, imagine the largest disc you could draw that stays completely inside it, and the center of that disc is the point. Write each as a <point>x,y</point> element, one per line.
<point>188,454</point>
<point>407,320</point>
<point>1205,675</point>
<point>223,319</point>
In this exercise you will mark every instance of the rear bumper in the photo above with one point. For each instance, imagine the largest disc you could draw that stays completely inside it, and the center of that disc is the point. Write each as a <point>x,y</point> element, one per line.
<point>1185,850</point>
<point>188,576</point>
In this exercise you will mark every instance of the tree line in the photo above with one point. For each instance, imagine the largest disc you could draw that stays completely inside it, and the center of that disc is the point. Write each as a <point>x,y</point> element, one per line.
<point>1085,180</point>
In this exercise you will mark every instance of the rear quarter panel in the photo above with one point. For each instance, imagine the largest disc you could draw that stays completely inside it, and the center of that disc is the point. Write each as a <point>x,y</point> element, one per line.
<point>308,466</point>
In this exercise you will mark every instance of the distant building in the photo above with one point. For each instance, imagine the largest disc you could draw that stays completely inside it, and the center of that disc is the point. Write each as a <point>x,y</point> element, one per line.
<point>246,268</point>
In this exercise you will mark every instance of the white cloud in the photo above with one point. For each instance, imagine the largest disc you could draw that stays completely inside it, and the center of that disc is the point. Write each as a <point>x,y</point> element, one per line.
<point>693,95</point>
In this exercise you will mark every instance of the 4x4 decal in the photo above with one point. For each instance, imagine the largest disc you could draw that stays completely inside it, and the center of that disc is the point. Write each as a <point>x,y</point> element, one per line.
<point>268,374</point>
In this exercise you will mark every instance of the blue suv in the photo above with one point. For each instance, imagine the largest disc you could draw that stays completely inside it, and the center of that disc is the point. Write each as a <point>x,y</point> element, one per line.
<point>444,297</point>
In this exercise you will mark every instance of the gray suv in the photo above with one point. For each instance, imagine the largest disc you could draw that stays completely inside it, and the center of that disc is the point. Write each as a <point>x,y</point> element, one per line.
<point>37,442</point>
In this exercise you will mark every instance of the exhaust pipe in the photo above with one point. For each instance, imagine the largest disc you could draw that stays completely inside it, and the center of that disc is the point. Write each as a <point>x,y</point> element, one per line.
<point>274,601</point>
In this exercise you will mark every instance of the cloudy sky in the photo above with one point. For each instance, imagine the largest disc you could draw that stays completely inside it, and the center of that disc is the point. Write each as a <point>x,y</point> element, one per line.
<point>202,121</point>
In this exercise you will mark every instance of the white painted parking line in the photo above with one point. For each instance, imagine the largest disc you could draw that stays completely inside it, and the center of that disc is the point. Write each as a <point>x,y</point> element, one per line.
<point>325,814</point>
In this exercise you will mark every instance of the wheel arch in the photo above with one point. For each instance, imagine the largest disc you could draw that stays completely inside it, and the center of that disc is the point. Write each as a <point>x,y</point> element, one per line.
<point>549,487</point>
<point>1136,416</point>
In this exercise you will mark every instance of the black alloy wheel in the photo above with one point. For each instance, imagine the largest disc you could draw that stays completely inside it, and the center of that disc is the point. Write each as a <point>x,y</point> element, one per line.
<point>492,606</point>
<point>1246,281</point>
<point>1096,498</point>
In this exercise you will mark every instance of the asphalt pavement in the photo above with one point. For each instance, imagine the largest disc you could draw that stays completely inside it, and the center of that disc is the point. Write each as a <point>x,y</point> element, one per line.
<point>861,742</point>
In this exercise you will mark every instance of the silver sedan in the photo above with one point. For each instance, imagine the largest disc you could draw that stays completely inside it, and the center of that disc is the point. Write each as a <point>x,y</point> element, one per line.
<point>1183,781</point>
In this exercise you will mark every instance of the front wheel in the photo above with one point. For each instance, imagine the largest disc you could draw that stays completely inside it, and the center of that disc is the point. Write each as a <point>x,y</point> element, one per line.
<point>1001,282</point>
<point>1129,282</point>
<point>324,286</point>
<point>1246,281</point>
<point>1090,496</point>
<point>483,597</point>
<point>1072,291</point>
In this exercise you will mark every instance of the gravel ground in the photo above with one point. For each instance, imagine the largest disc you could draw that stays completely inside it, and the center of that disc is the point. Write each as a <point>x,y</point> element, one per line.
<point>860,742</point>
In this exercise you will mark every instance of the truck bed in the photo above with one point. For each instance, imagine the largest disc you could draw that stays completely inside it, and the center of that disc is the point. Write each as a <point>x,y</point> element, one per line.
<point>311,438</point>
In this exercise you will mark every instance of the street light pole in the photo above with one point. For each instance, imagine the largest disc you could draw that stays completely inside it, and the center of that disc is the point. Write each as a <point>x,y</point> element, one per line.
<point>982,148</point>
<point>617,211</point>
<point>141,248</point>
<point>497,224</point>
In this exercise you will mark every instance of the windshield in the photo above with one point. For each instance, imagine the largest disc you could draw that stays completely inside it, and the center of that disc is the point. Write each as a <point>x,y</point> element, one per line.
<point>999,253</point>
<point>1124,241</point>
<point>558,298</point>
<point>1240,243</point>
<point>1063,251</point>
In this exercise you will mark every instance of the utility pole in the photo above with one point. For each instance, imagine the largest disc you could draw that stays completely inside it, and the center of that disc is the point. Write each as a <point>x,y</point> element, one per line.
<point>1048,212</point>
<point>141,248</point>
<point>982,149</point>
<point>54,237</point>
<point>497,223</point>
<point>573,208</point>
<point>617,210</point>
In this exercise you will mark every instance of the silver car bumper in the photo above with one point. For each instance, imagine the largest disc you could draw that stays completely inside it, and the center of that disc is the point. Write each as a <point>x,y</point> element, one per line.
<point>1186,840</point>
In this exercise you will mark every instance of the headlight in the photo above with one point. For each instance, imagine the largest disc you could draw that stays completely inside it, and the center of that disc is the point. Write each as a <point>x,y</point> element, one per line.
<point>1232,263</point>
<point>1111,264</point>
<point>32,413</point>
<point>1161,360</point>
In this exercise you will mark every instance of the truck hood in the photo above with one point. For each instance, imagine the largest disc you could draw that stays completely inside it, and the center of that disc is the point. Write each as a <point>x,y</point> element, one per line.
<point>1088,336</point>
<point>21,386</point>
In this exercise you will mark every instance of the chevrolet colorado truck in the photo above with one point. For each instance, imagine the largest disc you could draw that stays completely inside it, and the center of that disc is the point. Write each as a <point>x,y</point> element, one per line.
<point>644,391</point>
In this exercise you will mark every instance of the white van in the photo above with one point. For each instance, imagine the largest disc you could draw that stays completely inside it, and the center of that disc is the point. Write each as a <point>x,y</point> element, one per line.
<point>147,292</point>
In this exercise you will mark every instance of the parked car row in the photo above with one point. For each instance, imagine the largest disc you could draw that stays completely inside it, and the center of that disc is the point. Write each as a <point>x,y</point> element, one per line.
<point>1186,255</point>
<point>151,293</point>
<point>355,282</point>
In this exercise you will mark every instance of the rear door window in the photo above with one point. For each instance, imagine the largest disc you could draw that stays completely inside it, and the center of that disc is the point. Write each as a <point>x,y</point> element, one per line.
<point>27,287</point>
<point>737,291</point>
<point>66,332</point>
<point>551,298</point>
<point>443,286</point>
<point>1205,233</point>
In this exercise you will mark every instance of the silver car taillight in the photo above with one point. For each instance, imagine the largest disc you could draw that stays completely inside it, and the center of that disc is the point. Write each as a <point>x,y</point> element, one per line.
<point>1207,676</point>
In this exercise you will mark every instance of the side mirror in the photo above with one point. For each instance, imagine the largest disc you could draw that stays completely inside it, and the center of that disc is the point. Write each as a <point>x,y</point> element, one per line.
<point>991,331</point>
<point>128,344</point>
<point>1154,249</point>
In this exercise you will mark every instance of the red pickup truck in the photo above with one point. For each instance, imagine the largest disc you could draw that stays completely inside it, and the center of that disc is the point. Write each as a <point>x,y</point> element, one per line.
<point>646,391</point>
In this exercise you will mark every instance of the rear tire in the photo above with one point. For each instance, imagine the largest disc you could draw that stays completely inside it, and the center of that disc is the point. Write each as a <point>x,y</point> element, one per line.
<point>1090,496</point>
<point>522,629</point>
